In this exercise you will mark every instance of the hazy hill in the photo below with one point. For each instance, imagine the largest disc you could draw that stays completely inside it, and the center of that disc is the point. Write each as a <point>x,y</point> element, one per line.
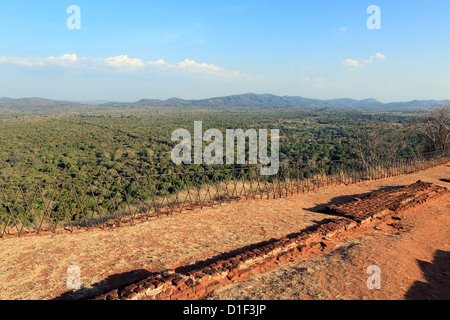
<point>270,101</point>
<point>34,104</point>
<point>248,100</point>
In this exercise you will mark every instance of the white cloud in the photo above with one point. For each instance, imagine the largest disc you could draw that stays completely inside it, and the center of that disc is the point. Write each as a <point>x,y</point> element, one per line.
<point>191,66</point>
<point>352,63</point>
<point>122,63</point>
<point>16,60</point>
<point>196,66</point>
<point>160,62</point>
<point>66,58</point>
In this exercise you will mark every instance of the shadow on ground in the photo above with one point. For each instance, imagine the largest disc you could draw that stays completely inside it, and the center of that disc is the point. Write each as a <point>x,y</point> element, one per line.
<point>437,275</point>
<point>112,282</point>
<point>225,255</point>
<point>322,207</point>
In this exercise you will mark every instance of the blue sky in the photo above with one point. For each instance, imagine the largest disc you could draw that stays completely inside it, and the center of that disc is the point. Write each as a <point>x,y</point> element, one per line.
<point>128,50</point>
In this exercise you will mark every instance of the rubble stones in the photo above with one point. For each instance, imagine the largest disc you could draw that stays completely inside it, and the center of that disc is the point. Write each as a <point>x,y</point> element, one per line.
<point>386,201</point>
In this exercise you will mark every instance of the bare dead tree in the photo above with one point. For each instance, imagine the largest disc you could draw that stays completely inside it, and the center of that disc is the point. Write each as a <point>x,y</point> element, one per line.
<point>434,124</point>
<point>378,140</point>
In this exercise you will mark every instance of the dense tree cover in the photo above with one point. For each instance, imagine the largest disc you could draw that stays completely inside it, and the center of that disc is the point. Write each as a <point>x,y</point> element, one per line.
<point>74,168</point>
<point>115,143</point>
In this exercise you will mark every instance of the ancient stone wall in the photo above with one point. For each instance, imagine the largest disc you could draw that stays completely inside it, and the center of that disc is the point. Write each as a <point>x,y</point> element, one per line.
<point>196,282</point>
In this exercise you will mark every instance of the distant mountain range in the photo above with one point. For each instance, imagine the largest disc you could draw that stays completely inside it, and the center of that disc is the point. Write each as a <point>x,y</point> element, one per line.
<point>248,101</point>
<point>34,103</point>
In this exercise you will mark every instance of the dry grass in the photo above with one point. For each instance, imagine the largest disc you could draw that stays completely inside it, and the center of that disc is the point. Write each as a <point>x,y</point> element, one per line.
<point>401,254</point>
<point>35,267</point>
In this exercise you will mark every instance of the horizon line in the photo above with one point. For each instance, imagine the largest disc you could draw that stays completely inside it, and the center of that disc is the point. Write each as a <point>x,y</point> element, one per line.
<point>87,101</point>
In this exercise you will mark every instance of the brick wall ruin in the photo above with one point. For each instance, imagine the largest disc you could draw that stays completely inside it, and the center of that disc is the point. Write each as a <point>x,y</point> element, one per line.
<point>196,282</point>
